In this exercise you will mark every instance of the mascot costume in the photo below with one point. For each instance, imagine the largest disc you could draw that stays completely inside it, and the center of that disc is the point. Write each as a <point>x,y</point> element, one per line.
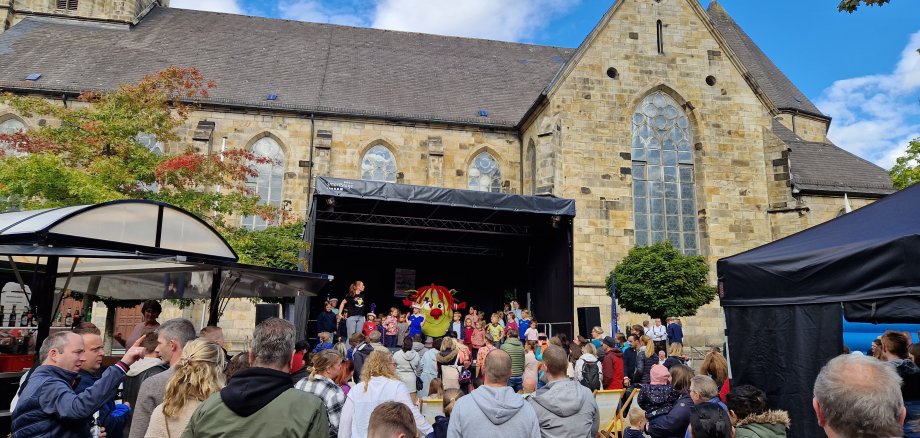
<point>438,307</point>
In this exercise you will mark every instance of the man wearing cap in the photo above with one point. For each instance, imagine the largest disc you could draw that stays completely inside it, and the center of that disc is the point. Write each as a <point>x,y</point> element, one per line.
<point>612,366</point>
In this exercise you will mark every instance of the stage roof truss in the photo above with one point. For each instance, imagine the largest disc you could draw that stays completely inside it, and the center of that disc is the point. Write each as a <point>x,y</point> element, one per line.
<point>420,223</point>
<point>430,247</point>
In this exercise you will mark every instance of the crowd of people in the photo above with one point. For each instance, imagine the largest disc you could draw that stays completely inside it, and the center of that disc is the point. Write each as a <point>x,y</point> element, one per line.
<point>489,378</point>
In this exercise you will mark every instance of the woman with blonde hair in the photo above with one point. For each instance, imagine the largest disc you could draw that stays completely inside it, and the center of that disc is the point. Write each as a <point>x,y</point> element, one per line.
<point>379,384</point>
<point>198,374</point>
<point>327,367</point>
<point>676,356</point>
<point>645,360</point>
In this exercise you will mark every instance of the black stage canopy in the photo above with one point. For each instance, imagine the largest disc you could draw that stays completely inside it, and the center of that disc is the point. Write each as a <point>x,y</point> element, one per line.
<point>485,245</point>
<point>785,301</point>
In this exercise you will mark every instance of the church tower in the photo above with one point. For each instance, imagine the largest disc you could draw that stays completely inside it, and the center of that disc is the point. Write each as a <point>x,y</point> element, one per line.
<point>105,11</point>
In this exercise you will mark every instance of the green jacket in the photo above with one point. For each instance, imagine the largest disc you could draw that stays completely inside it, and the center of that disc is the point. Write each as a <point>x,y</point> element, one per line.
<point>770,424</point>
<point>293,414</point>
<point>515,349</point>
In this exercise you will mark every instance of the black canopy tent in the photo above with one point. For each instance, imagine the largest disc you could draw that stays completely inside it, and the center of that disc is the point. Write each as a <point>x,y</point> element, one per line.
<point>785,301</point>
<point>480,243</point>
<point>126,250</point>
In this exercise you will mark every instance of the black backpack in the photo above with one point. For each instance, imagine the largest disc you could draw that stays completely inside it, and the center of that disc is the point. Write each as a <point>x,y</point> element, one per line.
<point>591,376</point>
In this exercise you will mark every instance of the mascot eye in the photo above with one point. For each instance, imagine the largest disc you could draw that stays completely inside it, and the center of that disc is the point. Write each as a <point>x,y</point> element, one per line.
<point>440,305</point>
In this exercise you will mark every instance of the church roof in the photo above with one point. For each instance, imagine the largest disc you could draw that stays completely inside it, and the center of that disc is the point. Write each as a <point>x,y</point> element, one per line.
<point>778,88</point>
<point>819,167</point>
<point>310,67</point>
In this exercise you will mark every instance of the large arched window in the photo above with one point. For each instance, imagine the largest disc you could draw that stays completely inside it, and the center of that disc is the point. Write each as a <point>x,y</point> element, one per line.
<point>532,162</point>
<point>11,126</point>
<point>268,185</point>
<point>485,174</point>
<point>662,167</point>
<point>378,164</point>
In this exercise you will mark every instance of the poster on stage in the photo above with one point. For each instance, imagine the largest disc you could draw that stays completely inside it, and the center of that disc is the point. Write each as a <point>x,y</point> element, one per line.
<point>405,281</point>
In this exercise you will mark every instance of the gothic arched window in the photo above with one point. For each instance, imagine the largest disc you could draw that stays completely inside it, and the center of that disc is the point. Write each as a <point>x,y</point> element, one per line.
<point>11,126</point>
<point>485,174</point>
<point>664,199</point>
<point>268,185</point>
<point>378,164</point>
<point>532,161</point>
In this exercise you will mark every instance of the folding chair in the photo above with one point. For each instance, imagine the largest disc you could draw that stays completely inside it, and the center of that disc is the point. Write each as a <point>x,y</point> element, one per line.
<point>431,409</point>
<point>607,402</point>
<point>618,424</point>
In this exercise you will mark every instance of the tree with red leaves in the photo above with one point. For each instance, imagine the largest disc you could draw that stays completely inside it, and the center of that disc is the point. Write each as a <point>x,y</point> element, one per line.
<point>90,152</point>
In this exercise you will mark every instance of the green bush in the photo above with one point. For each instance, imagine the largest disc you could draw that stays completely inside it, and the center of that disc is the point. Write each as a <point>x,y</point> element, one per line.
<point>660,281</point>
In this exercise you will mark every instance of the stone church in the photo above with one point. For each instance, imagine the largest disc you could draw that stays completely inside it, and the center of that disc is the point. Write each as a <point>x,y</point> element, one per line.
<point>666,123</point>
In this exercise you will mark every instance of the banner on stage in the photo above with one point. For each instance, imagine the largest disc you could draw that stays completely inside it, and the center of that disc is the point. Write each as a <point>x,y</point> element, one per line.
<point>405,281</point>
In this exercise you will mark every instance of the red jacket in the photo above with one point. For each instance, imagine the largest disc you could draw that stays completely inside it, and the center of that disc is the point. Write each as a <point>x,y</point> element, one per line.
<point>613,370</point>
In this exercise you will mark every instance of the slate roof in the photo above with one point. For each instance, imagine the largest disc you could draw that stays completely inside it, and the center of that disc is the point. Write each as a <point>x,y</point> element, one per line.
<point>778,88</point>
<point>826,168</point>
<point>310,66</point>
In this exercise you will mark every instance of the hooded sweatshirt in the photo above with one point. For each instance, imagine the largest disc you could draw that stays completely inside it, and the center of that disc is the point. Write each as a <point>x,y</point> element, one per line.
<point>566,408</point>
<point>770,424</point>
<point>492,411</point>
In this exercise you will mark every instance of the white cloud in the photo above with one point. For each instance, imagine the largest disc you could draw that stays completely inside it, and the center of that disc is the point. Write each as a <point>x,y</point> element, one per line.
<point>505,20</point>
<point>228,6</point>
<point>876,116</point>
<point>316,12</point>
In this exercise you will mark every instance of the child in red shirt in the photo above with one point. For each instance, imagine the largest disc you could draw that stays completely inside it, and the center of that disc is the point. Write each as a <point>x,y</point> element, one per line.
<point>370,325</point>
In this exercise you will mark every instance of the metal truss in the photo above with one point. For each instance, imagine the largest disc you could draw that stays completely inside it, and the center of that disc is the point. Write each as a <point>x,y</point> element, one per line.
<point>420,223</point>
<point>404,245</point>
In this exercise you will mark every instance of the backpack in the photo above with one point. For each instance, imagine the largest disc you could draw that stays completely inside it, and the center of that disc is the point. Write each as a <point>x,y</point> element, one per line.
<point>590,376</point>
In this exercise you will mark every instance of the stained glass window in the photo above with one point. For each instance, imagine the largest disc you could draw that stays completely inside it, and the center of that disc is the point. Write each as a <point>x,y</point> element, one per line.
<point>378,165</point>
<point>664,199</point>
<point>485,174</point>
<point>268,184</point>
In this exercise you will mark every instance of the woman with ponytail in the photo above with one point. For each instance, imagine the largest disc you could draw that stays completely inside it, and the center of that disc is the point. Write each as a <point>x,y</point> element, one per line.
<point>199,373</point>
<point>327,366</point>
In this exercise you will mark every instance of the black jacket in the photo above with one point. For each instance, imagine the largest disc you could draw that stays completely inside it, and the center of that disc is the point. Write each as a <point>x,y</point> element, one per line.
<point>325,322</point>
<point>629,362</point>
<point>359,356</point>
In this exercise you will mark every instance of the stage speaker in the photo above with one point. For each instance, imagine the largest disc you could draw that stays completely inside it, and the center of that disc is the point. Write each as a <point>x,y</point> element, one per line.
<point>265,311</point>
<point>588,318</point>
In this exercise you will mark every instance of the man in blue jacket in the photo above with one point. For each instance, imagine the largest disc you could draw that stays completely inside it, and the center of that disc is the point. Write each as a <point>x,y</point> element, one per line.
<point>675,331</point>
<point>49,406</point>
<point>111,416</point>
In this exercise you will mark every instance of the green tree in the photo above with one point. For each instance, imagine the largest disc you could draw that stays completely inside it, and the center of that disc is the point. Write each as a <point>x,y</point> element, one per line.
<point>906,170</point>
<point>660,281</point>
<point>852,5</point>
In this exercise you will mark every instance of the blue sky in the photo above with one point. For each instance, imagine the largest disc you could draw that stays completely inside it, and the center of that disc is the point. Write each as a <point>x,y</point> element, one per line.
<point>862,69</point>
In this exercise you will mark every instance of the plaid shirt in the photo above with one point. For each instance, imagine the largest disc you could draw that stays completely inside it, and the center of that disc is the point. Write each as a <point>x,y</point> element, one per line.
<point>330,393</point>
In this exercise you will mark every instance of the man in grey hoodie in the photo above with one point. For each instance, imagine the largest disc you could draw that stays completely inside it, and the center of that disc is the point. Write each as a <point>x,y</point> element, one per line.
<point>494,409</point>
<point>564,407</point>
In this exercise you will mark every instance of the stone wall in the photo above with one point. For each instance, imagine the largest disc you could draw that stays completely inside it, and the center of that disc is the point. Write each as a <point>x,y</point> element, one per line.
<point>110,10</point>
<point>806,127</point>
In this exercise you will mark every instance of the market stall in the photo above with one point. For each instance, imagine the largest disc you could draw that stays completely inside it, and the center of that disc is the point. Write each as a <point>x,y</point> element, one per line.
<point>120,250</point>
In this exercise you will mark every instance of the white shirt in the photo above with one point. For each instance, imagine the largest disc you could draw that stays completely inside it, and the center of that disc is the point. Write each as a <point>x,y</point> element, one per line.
<point>659,333</point>
<point>359,404</point>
